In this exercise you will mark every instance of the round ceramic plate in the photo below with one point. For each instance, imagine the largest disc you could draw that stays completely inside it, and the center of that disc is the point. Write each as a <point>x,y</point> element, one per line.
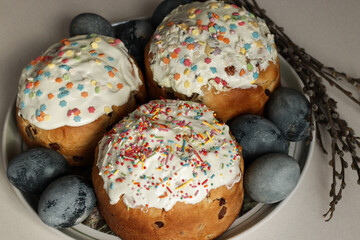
<point>301,151</point>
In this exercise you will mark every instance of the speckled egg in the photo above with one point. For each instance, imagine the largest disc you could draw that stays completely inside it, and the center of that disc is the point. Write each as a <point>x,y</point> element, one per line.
<point>271,177</point>
<point>257,136</point>
<point>32,171</point>
<point>87,23</point>
<point>66,202</point>
<point>289,110</point>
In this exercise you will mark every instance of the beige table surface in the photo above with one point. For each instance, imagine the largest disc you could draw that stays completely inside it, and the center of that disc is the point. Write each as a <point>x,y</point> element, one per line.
<point>329,30</point>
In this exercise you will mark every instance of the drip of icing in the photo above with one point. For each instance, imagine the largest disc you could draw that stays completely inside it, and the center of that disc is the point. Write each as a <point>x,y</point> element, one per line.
<point>76,81</point>
<point>167,152</point>
<point>210,44</point>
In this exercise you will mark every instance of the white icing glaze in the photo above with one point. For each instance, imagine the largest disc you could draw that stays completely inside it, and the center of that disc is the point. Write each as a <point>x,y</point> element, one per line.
<point>166,152</point>
<point>210,44</point>
<point>76,81</point>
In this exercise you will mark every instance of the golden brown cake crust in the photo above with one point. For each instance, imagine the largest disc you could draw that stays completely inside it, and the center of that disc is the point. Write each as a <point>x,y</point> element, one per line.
<point>226,104</point>
<point>205,220</point>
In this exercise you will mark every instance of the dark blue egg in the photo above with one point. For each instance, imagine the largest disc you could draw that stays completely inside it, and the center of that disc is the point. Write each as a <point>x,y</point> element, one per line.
<point>164,8</point>
<point>31,171</point>
<point>135,35</point>
<point>271,177</point>
<point>257,136</point>
<point>289,110</point>
<point>87,23</point>
<point>66,202</point>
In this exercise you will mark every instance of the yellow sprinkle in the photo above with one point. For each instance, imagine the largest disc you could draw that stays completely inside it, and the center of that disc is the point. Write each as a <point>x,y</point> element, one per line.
<point>93,82</point>
<point>97,61</point>
<point>254,24</point>
<point>94,45</point>
<point>259,44</point>
<point>201,42</point>
<point>192,16</point>
<point>47,117</point>
<point>205,122</point>
<point>226,17</point>
<point>253,81</point>
<point>184,184</point>
<point>183,26</point>
<point>187,71</point>
<point>51,65</point>
<point>209,136</point>
<point>191,10</point>
<point>97,39</point>
<point>109,85</point>
<point>227,6</point>
<point>214,6</point>
<point>69,53</point>
<point>187,84</point>
<point>195,32</point>
<point>242,51</point>
<point>158,42</point>
<point>200,79</point>
<point>107,110</point>
<point>161,27</point>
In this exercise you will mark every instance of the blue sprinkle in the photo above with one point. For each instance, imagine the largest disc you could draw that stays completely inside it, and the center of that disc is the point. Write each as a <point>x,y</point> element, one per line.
<point>182,60</point>
<point>94,54</point>
<point>212,176</point>
<point>108,68</point>
<point>255,75</point>
<point>62,89</point>
<point>194,68</point>
<point>110,59</point>
<point>63,94</point>
<point>80,87</point>
<point>66,67</point>
<point>47,74</point>
<point>43,107</point>
<point>37,112</point>
<point>38,78</point>
<point>63,103</point>
<point>247,46</point>
<point>111,185</point>
<point>210,15</point>
<point>22,105</point>
<point>27,91</point>
<point>189,40</point>
<point>233,26</point>
<point>269,48</point>
<point>223,29</point>
<point>217,28</point>
<point>28,67</point>
<point>213,69</point>
<point>255,35</point>
<point>77,118</point>
<point>39,93</point>
<point>74,44</point>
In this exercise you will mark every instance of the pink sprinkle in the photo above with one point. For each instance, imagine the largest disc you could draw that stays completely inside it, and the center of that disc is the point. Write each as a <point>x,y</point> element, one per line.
<point>61,53</point>
<point>157,37</point>
<point>205,27</point>
<point>28,85</point>
<point>212,19</point>
<point>241,23</point>
<point>207,60</point>
<point>69,113</point>
<point>232,31</point>
<point>184,43</point>
<point>117,41</point>
<point>196,192</point>
<point>65,60</point>
<point>198,11</point>
<point>224,82</point>
<point>187,62</point>
<point>217,79</point>
<point>91,109</point>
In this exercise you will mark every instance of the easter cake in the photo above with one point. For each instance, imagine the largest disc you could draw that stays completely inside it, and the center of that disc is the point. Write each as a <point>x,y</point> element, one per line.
<point>214,53</point>
<point>169,170</point>
<point>74,92</point>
